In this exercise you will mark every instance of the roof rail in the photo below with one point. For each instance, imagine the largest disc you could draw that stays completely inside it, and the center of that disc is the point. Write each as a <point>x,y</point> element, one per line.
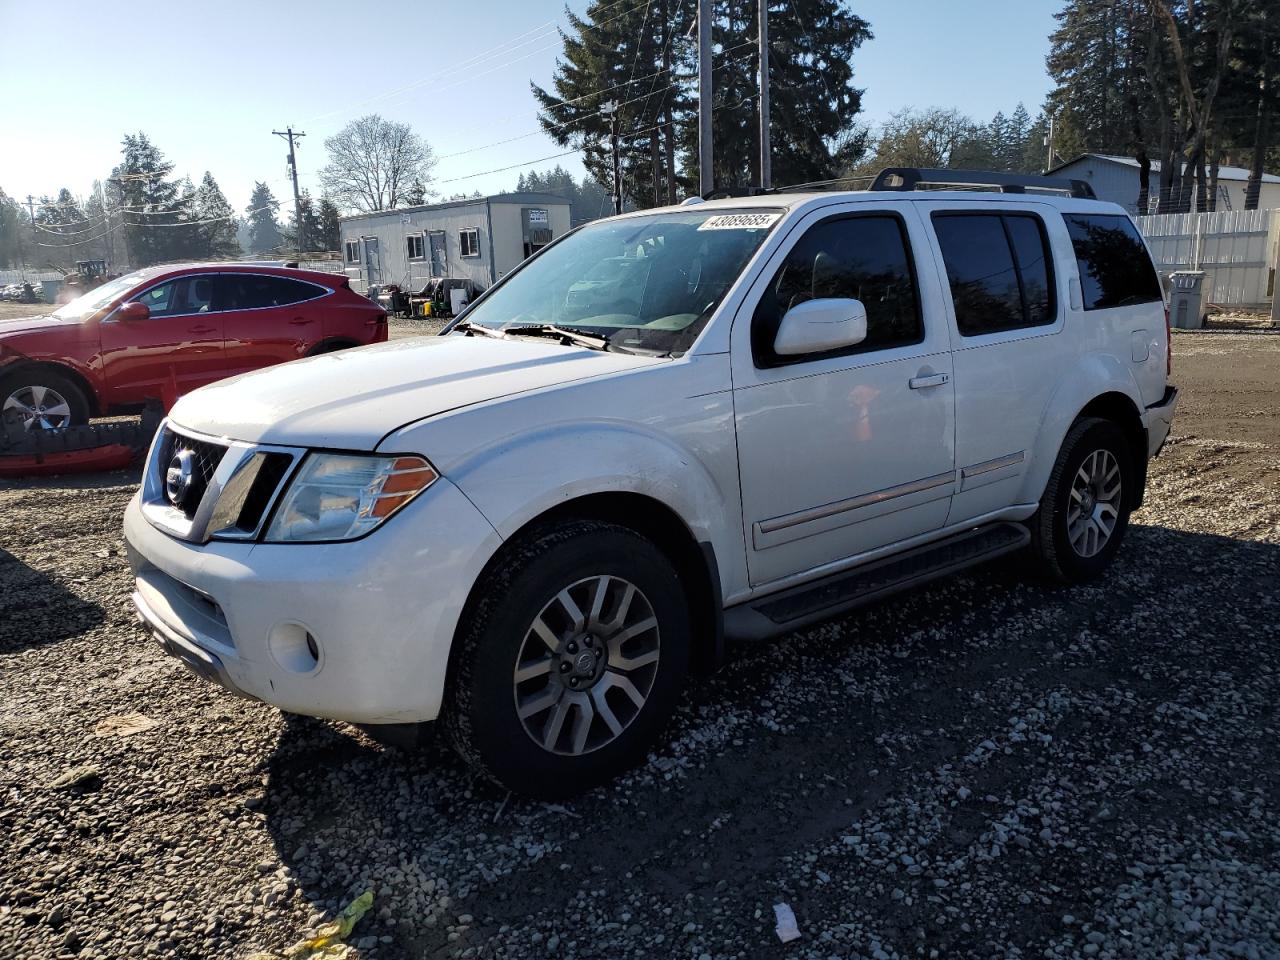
<point>913,178</point>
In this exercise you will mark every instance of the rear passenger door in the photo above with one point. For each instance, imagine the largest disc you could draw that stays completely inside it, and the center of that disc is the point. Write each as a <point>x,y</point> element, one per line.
<point>847,451</point>
<point>1007,310</point>
<point>268,319</point>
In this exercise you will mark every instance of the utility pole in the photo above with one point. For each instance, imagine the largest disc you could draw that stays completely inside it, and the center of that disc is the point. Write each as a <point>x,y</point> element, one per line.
<point>705,176</point>
<point>1049,143</point>
<point>31,209</point>
<point>766,153</point>
<point>291,136</point>
<point>610,110</point>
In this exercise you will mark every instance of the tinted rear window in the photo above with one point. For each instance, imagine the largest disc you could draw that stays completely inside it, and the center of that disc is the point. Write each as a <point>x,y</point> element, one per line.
<point>1115,270</point>
<point>251,291</point>
<point>998,269</point>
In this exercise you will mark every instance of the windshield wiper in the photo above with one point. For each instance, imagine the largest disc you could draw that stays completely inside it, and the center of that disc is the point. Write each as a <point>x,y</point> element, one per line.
<point>579,338</point>
<point>467,327</point>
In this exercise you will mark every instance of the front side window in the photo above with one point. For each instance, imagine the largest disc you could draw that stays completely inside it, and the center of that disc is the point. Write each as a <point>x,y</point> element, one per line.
<point>469,242</point>
<point>999,270</point>
<point>647,282</point>
<point>251,291</point>
<point>415,246</point>
<point>179,297</point>
<point>1115,270</point>
<point>860,257</point>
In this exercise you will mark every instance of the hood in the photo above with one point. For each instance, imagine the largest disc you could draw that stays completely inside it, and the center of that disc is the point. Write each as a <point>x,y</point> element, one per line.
<point>353,398</point>
<point>31,324</point>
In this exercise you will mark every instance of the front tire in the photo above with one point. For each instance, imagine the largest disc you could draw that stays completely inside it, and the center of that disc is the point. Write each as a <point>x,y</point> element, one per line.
<point>571,660</point>
<point>1084,512</point>
<point>41,399</point>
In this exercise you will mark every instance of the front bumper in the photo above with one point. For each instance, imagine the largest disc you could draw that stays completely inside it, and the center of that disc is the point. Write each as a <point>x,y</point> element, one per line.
<point>1159,420</point>
<point>381,611</point>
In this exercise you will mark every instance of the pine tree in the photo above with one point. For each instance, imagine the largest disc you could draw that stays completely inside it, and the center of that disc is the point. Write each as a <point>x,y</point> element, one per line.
<point>328,227</point>
<point>216,221</point>
<point>813,103</point>
<point>13,231</point>
<point>147,200</point>
<point>60,211</point>
<point>264,228</point>
<point>305,224</point>
<point>633,54</point>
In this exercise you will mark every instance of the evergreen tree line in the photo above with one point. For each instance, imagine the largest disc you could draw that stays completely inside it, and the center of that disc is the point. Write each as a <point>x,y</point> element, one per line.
<point>642,56</point>
<point>1192,84</point>
<point>142,215</point>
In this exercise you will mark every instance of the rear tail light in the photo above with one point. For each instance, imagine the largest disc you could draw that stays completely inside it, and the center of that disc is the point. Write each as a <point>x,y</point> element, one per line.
<point>1168,345</point>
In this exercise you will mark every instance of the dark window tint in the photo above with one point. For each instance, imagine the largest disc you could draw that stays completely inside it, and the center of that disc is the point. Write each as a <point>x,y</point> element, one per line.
<point>246,291</point>
<point>1115,269</point>
<point>863,258</point>
<point>999,271</point>
<point>1031,254</point>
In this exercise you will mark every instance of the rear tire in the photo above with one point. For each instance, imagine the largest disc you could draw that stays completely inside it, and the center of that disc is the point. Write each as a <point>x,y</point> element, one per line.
<point>38,398</point>
<point>1084,512</point>
<point>571,660</point>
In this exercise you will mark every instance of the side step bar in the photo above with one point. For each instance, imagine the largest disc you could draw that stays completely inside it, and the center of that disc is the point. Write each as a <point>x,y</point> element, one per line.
<point>798,607</point>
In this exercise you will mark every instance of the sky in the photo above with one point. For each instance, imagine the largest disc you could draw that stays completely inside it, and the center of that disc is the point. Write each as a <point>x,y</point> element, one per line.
<point>209,82</point>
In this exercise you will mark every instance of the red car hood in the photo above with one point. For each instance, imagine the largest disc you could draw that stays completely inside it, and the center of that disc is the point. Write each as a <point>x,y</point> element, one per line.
<point>29,324</point>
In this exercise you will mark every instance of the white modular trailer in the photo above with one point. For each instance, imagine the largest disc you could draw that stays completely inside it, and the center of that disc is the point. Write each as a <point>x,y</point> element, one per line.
<point>480,239</point>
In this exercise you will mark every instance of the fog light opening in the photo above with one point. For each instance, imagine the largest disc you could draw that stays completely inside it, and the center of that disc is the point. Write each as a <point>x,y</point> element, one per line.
<point>294,648</point>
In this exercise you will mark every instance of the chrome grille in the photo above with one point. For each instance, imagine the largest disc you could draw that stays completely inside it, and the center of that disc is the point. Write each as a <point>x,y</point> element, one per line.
<point>230,486</point>
<point>205,459</point>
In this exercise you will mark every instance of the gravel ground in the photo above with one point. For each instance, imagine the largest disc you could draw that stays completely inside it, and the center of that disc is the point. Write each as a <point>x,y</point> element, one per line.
<point>982,769</point>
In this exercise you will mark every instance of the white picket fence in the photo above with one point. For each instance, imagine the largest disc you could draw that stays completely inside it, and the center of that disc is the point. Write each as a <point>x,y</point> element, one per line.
<point>1236,249</point>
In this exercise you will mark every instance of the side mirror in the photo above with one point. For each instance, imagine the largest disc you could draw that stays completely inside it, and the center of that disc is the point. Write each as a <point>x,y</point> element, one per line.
<point>817,326</point>
<point>133,312</point>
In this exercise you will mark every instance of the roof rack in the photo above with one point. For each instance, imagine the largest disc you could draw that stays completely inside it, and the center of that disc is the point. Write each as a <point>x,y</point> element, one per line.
<point>913,178</point>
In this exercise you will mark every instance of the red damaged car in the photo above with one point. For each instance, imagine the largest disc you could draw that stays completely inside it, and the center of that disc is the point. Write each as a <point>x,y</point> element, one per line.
<point>161,332</point>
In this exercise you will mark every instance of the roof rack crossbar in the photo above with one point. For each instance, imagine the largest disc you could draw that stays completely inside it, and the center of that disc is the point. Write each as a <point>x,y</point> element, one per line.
<point>912,178</point>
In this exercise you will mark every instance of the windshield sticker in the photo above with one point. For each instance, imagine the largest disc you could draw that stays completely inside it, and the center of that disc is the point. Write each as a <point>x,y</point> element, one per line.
<point>740,221</point>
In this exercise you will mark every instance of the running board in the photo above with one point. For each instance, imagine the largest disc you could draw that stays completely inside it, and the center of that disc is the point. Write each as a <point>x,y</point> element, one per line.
<point>798,607</point>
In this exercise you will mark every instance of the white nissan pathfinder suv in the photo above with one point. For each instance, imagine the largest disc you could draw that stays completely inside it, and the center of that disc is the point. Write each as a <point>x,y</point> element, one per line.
<point>536,524</point>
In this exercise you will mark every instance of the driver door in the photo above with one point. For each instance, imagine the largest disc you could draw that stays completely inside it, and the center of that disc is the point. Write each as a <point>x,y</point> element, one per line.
<point>854,449</point>
<point>174,351</point>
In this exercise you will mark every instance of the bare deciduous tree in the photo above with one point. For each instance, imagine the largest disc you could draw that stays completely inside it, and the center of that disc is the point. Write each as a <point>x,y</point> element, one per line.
<point>374,162</point>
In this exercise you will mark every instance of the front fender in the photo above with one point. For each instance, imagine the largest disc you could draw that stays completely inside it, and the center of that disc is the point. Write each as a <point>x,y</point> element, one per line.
<point>1089,377</point>
<point>526,474</point>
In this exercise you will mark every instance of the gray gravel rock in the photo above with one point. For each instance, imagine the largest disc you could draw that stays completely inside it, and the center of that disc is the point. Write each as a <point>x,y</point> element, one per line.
<point>986,768</point>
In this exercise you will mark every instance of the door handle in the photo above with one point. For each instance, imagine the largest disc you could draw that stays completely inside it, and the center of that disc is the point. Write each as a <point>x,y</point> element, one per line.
<point>932,380</point>
<point>300,321</point>
<point>203,329</point>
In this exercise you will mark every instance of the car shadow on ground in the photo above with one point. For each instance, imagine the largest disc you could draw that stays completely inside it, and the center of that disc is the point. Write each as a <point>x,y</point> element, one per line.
<point>36,609</point>
<point>791,742</point>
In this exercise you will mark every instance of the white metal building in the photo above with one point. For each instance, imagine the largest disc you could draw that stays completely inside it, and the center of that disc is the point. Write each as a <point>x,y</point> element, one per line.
<point>1117,179</point>
<point>481,239</point>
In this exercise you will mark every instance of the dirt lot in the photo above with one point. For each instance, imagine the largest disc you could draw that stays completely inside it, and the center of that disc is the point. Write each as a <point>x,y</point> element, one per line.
<point>983,769</point>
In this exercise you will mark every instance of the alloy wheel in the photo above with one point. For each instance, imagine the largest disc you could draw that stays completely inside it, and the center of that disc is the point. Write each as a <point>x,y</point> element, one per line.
<point>1094,509</point>
<point>36,407</point>
<point>586,666</point>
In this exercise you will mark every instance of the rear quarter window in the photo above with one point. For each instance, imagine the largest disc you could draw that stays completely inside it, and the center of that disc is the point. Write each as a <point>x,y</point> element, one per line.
<point>1115,269</point>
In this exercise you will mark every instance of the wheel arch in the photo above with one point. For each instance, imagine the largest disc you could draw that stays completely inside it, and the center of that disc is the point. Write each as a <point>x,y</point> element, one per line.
<point>695,562</point>
<point>1122,411</point>
<point>63,370</point>
<point>331,345</point>
<point>1099,385</point>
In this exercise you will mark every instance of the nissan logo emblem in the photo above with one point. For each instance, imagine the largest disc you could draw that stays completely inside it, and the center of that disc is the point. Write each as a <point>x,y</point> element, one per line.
<point>177,479</point>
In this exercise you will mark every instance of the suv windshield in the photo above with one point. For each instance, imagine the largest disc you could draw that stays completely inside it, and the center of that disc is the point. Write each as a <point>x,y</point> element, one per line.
<point>99,297</point>
<point>646,283</point>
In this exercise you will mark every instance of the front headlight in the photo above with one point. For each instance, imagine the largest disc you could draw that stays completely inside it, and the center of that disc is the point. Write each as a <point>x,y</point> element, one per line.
<point>338,496</point>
